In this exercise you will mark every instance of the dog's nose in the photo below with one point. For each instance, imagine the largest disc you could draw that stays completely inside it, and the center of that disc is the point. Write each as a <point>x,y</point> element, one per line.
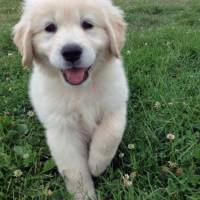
<point>72,52</point>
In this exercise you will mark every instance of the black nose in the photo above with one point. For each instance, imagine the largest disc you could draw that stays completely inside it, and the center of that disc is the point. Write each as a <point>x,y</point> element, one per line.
<point>72,52</point>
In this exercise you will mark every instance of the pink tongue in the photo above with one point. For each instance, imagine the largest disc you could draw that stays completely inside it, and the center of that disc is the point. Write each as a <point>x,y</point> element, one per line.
<point>75,76</point>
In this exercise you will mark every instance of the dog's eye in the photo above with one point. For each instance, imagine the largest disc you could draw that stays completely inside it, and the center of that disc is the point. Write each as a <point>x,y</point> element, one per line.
<point>87,25</point>
<point>51,28</point>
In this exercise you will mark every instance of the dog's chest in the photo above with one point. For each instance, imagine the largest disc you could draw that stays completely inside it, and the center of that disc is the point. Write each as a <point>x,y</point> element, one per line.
<point>83,114</point>
<point>81,109</point>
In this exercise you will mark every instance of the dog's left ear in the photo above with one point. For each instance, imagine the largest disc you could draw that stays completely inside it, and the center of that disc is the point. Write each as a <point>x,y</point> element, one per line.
<point>22,39</point>
<point>116,28</point>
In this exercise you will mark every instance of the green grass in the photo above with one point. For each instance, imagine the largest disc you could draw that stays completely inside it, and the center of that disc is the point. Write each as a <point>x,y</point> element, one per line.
<point>162,59</point>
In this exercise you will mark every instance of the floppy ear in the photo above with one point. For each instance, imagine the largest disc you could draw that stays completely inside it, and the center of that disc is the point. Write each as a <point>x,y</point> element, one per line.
<point>22,39</point>
<point>116,28</point>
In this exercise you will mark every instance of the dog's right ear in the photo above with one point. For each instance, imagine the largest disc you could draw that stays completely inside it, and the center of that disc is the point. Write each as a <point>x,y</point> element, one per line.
<point>23,40</point>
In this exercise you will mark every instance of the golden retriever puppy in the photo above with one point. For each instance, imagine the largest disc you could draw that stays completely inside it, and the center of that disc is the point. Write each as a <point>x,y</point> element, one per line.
<point>78,86</point>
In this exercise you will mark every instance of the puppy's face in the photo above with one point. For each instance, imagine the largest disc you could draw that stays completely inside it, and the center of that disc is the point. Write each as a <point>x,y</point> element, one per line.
<point>70,36</point>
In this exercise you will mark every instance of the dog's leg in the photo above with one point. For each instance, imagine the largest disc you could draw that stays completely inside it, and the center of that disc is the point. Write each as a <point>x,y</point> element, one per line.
<point>106,140</point>
<point>70,154</point>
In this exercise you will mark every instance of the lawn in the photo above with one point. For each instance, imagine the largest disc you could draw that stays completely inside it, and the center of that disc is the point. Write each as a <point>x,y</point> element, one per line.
<point>159,158</point>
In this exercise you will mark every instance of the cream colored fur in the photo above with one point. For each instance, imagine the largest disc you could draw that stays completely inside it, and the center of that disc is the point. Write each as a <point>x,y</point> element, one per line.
<point>84,124</point>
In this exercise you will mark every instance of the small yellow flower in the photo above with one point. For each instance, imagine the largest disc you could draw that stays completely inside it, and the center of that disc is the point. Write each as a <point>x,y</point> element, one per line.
<point>18,173</point>
<point>170,136</point>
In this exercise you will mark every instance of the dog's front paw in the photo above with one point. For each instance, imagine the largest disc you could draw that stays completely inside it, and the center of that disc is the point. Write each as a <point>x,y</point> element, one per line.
<point>98,163</point>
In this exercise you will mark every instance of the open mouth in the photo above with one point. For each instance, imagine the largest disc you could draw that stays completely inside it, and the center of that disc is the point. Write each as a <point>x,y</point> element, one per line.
<point>76,76</point>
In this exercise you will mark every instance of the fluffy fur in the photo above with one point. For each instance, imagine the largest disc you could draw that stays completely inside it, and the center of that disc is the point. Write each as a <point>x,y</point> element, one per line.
<point>84,124</point>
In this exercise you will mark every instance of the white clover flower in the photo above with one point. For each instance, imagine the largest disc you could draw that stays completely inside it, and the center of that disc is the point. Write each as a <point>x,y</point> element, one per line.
<point>121,155</point>
<point>157,105</point>
<point>170,136</point>
<point>18,173</point>
<point>131,146</point>
<point>10,54</point>
<point>30,113</point>
<point>126,176</point>
<point>26,156</point>
<point>126,181</point>
<point>128,52</point>
<point>133,175</point>
<point>49,192</point>
<point>172,165</point>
